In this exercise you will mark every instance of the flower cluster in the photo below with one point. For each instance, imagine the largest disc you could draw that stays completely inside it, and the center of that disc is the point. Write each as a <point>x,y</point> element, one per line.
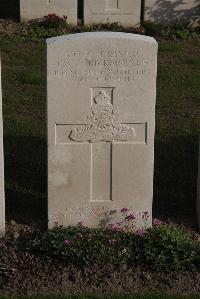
<point>54,21</point>
<point>126,224</point>
<point>159,248</point>
<point>157,222</point>
<point>54,17</point>
<point>115,227</point>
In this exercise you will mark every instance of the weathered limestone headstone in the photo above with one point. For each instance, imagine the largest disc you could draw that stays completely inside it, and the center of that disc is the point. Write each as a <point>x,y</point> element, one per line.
<point>124,12</point>
<point>2,194</point>
<point>36,9</point>
<point>198,190</point>
<point>101,91</point>
<point>162,11</point>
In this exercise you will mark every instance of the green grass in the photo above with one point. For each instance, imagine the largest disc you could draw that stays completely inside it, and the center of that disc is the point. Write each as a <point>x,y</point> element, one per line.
<point>176,140</point>
<point>170,47</point>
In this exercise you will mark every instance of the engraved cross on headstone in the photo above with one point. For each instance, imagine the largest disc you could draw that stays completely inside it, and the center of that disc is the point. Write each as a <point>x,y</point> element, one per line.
<point>103,132</point>
<point>112,4</point>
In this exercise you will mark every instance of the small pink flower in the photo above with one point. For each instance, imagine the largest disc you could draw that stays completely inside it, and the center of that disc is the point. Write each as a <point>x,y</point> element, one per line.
<point>112,241</point>
<point>145,215</point>
<point>114,228</point>
<point>140,232</point>
<point>67,242</point>
<point>157,222</point>
<point>80,223</point>
<point>130,217</point>
<point>124,210</point>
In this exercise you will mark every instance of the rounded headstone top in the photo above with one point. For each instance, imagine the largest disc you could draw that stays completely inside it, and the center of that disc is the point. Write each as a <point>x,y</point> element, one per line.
<point>96,35</point>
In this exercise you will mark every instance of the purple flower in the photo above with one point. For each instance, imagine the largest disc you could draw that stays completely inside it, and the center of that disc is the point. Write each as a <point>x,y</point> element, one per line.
<point>157,222</point>
<point>130,217</point>
<point>80,224</point>
<point>114,228</point>
<point>67,242</point>
<point>124,210</point>
<point>145,215</point>
<point>140,232</point>
<point>112,241</point>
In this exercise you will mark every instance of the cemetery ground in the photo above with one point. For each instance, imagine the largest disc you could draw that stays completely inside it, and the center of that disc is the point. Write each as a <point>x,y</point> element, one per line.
<point>144,296</point>
<point>30,257</point>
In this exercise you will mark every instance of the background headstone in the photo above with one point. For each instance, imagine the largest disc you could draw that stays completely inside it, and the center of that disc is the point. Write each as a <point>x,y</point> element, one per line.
<point>35,9</point>
<point>101,91</point>
<point>162,11</point>
<point>2,194</point>
<point>198,190</point>
<point>124,12</point>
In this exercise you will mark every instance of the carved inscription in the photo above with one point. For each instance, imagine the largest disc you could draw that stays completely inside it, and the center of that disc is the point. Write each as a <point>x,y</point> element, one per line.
<point>91,211</point>
<point>84,211</point>
<point>103,123</point>
<point>101,66</point>
<point>112,13</point>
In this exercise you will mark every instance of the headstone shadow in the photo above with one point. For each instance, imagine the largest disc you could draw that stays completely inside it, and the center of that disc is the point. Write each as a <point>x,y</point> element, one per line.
<point>167,10</point>
<point>10,9</point>
<point>175,179</point>
<point>25,177</point>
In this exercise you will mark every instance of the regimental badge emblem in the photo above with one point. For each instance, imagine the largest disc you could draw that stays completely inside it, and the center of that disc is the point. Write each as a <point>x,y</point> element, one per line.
<point>103,124</point>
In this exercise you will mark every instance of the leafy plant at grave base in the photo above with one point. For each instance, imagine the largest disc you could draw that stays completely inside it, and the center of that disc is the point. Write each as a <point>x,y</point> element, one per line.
<point>173,31</point>
<point>170,248</point>
<point>50,25</point>
<point>160,248</point>
<point>44,29</point>
<point>53,25</point>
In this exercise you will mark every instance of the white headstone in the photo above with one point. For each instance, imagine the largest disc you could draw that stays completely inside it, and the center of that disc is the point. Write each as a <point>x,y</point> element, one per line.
<point>124,12</point>
<point>101,91</point>
<point>162,11</point>
<point>2,194</point>
<point>198,190</point>
<point>36,9</point>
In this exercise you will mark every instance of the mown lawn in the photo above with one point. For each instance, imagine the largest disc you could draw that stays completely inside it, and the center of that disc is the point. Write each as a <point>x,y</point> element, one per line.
<point>176,141</point>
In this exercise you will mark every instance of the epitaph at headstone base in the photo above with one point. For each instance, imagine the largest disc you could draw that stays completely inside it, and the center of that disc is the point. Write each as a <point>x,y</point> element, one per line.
<point>101,90</point>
